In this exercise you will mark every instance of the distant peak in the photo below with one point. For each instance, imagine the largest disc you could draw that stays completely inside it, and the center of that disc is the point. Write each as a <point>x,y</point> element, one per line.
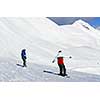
<point>82,23</point>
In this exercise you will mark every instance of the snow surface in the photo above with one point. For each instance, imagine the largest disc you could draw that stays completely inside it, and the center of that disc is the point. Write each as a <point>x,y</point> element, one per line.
<point>42,39</point>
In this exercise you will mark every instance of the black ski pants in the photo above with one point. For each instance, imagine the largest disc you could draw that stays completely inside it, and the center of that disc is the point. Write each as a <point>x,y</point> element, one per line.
<point>62,69</point>
<point>24,61</point>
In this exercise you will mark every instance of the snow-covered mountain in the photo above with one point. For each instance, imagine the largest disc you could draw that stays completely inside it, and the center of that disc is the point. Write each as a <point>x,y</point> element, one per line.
<point>42,38</point>
<point>82,34</point>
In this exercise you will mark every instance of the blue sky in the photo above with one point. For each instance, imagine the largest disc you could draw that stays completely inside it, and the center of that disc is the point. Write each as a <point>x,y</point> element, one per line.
<point>94,21</point>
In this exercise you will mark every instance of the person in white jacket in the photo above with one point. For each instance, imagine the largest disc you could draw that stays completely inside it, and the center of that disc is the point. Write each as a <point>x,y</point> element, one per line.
<point>60,62</point>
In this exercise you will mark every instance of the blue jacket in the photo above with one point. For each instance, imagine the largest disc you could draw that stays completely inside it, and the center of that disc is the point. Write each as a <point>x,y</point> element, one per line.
<point>23,54</point>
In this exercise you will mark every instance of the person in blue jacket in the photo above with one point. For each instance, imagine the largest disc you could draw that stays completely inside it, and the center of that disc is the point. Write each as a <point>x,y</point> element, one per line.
<point>23,55</point>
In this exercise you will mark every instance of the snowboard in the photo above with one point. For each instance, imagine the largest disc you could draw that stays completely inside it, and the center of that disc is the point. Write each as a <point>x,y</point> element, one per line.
<point>53,73</point>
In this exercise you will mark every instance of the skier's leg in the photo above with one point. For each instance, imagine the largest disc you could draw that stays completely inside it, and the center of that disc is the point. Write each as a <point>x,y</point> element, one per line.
<point>25,62</point>
<point>60,68</point>
<point>64,69</point>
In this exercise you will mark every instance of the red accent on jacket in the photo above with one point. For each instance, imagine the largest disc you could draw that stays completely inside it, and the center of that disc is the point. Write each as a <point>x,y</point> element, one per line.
<point>60,60</point>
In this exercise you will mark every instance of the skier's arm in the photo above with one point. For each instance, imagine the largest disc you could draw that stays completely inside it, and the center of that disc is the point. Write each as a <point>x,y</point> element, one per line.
<point>55,58</point>
<point>68,57</point>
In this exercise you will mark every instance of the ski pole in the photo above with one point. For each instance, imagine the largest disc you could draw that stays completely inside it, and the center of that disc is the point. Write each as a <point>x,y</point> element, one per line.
<point>55,58</point>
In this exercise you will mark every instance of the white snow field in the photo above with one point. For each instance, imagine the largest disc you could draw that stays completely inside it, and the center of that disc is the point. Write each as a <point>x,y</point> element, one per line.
<point>42,39</point>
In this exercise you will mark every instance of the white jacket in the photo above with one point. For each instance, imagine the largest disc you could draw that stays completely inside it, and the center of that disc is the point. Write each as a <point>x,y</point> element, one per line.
<point>60,55</point>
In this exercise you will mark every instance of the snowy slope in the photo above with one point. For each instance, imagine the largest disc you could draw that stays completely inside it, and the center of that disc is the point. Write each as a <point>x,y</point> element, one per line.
<point>18,33</point>
<point>42,38</point>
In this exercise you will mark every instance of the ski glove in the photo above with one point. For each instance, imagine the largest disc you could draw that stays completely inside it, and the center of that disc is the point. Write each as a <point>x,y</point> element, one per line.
<point>53,61</point>
<point>70,57</point>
